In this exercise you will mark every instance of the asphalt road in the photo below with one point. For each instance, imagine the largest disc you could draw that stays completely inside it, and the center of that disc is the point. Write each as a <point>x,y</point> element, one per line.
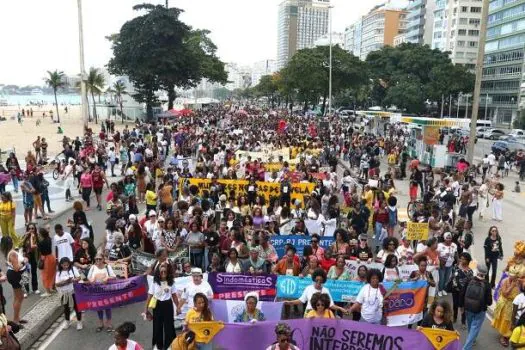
<point>511,229</point>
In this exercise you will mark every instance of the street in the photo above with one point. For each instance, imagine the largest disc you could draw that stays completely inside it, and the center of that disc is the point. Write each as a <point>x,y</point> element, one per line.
<point>510,229</point>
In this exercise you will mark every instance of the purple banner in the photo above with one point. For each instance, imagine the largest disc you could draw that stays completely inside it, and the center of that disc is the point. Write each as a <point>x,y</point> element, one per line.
<point>325,334</point>
<point>228,310</point>
<point>100,296</point>
<point>230,286</point>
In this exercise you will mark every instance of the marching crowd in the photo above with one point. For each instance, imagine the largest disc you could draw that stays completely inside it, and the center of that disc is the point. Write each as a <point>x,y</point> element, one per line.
<point>157,206</point>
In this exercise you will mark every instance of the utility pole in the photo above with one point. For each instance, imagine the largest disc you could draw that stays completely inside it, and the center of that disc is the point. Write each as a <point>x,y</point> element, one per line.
<point>167,4</point>
<point>486,105</point>
<point>466,107</point>
<point>83,76</point>
<point>442,105</point>
<point>330,67</point>
<point>450,106</point>
<point>459,96</point>
<point>477,86</point>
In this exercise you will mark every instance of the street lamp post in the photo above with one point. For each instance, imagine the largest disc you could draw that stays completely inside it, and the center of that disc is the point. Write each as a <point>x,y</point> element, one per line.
<point>466,107</point>
<point>477,85</point>
<point>83,90</point>
<point>330,64</point>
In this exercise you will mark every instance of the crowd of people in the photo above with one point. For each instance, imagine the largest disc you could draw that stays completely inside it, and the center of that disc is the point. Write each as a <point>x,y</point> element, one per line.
<point>152,206</point>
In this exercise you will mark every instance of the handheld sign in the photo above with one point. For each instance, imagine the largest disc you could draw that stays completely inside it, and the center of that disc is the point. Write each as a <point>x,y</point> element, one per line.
<point>417,231</point>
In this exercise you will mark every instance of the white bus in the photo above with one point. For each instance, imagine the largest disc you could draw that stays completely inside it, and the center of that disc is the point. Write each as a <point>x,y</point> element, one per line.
<point>479,123</point>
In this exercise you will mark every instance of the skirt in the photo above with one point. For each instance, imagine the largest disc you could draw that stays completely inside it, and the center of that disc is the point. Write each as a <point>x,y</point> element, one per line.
<point>49,271</point>
<point>503,317</point>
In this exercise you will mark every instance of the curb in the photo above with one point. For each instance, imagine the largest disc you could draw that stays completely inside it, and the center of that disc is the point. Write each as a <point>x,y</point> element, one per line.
<point>41,316</point>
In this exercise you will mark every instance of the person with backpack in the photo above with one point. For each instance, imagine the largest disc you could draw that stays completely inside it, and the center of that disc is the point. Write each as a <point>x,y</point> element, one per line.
<point>478,297</point>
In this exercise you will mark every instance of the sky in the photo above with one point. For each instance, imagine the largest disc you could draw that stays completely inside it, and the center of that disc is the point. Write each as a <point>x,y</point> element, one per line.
<point>41,35</point>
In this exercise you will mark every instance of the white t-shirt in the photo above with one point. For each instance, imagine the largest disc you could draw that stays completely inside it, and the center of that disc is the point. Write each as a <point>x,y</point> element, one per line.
<point>519,301</point>
<point>162,291</point>
<point>63,246</point>
<point>110,239</point>
<point>371,301</point>
<point>63,276</point>
<point>492,159</point>
<point>447,253</point>
<point>193,289</point>
<point>309,291</point>
<point>100,274</point>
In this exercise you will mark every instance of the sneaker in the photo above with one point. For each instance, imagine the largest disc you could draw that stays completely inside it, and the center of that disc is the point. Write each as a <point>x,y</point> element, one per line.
<point>66,326</point>
<point>44,295</point>
<point>439,294</point>
<point>79,325</point>
<point>37,292</point>
<point>444,293</point>
<point>25,295</point>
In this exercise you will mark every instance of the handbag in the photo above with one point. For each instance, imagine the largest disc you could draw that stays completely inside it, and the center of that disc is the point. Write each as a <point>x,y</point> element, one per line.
<point>9,342</point>
<point>41,263</point>
<point>152,303</point>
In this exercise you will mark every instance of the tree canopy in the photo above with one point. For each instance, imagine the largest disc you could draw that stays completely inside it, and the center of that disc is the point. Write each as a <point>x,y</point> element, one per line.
<point>157,51</point>
<point>408,75</point>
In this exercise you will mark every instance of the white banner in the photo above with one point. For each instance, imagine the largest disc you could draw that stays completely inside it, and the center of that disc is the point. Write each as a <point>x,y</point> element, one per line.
<point>404,270</point>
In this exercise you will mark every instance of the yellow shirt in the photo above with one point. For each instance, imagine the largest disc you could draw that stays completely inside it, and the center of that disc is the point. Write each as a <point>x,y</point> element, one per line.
<point>391,159</point>
<point>312,314</point>
<point>194,316</point>
<point>369,197</point>
<point>6,208</point>
<point>518,335</point>
<point>151,198</point>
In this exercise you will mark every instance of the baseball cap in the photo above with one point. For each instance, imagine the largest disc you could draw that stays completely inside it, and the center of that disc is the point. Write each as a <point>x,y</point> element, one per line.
<point>152,213</point>
<point>132,217</point>
<point>447,235</point>
<point>482,269</point>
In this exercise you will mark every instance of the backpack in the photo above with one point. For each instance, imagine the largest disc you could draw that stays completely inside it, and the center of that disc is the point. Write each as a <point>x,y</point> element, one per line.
<point>475,296</point>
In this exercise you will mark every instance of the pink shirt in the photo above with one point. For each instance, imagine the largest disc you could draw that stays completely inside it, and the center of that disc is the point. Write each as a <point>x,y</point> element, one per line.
<point>86,180</point>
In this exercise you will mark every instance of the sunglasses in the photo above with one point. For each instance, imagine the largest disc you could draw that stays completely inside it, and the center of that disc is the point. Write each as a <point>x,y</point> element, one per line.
<point>315,241</point>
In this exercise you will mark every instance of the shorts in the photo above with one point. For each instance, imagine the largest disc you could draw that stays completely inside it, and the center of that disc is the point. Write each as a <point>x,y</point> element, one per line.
<point>37,198</point>
<point>28,202</point>
<point>14,278</point>
<point>97,190</point>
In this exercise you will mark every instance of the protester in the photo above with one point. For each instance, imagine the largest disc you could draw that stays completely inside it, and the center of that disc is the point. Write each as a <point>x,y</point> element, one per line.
<point>478,297</point>
<point>122,341</point>
<point>66,275</point>
<point>250,313</point>
<point>8,217</point>
<point>162,295</point>
<point>284,338</point>
<point>460,277</point>
<point>320,304</point>
<point>369,301</point>
<point>16,269</point>
<point>493,252</point>
<point>48,260</point>
<point>100,272</point>
<point>200,312</point>
<point>439,316</point>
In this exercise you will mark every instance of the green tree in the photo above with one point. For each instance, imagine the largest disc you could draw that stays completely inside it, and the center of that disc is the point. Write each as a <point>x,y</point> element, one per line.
<point>158,51</point>
<point>397,73</point>
<point>308,72</point>
<point>267,87</point>
<point>119,89</point>
<point>95,83</point>
<point>55,80</point>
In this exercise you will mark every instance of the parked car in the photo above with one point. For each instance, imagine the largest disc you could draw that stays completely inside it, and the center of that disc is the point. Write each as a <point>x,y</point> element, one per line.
<point>480,130</point>
<point>493,134</point>
<point>500,147</point>
<point>514,134</point>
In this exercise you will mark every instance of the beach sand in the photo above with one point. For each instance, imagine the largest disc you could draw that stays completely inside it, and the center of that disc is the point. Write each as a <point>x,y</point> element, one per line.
<point>21,136</point>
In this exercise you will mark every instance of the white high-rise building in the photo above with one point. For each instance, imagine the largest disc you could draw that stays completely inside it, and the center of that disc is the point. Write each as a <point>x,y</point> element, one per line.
<point>420,21</point>
<point>265,67</point>
<point>324,40</point>
<point>352,38</point>
<point>300,24</point>
<point>456,29</point>
<point>239,77</point>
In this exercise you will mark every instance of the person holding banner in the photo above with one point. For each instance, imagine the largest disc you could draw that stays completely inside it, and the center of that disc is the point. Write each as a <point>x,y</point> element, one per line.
<point>319,279</point>
<point>200,313</point>
<point>162,295</point>
<point>251,313</point>
<point>284,338</point>
<point>119,253</point>
<point>101,272</point>
<point>122,341</point>
<point>320,307</point>
<point>370,300</point>
<point>439,316</point>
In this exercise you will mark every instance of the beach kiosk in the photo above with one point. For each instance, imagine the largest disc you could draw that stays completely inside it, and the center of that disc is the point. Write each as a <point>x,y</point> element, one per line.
<point>423,141</point>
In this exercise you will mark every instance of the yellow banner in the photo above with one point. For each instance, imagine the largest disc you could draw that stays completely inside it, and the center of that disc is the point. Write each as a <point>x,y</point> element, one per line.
<point>271,167</point>
<point>438,337</point>
<point>417,231</point>
<point>266,189</point>
<point>205,331</point>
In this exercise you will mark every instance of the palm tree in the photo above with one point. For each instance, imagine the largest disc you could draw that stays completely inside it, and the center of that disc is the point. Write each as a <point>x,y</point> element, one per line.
<point>119,89</point>
<point>55,80</point>
<point>95,82</point>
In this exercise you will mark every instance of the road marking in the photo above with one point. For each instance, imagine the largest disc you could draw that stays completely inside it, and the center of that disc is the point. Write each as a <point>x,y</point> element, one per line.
<point>55,334</point>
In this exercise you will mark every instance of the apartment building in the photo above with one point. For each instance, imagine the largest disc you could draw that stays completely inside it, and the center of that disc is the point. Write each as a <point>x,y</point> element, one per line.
<point>420,21</point>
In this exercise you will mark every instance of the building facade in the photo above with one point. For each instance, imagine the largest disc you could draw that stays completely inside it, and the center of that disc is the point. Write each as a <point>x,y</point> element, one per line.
<point>352,38</point>
<point>456,29</point>
<point>420,21</point>
<point>379,28</point>
<point>300,24</point>
<point>261,68</point>
<point>503,61</point>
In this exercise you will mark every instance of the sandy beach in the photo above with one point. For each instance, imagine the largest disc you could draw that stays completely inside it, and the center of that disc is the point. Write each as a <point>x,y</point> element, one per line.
<point>21,136</point>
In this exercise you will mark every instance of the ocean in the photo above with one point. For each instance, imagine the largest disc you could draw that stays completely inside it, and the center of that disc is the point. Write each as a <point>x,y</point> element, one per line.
<point>25,100</point>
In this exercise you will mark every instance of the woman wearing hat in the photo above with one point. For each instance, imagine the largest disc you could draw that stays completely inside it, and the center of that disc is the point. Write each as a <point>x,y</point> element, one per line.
<point>510,288</point>
<point>250,313</point>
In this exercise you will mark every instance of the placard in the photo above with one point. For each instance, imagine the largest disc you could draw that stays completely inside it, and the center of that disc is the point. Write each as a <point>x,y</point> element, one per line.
<point>417,231</point>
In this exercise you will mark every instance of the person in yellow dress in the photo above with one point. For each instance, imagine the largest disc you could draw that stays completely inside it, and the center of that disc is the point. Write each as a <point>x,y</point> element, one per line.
<point>320,307</point>
<point>7,217</point>
<point>510,288</point>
